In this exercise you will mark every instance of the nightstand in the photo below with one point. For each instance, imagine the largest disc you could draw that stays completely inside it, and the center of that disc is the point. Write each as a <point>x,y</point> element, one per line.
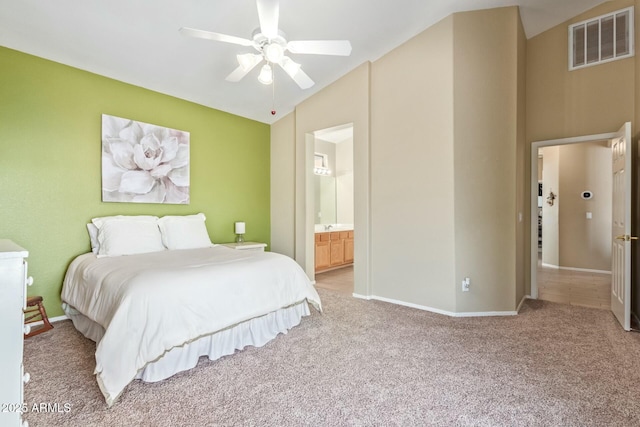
<point>246,246</point>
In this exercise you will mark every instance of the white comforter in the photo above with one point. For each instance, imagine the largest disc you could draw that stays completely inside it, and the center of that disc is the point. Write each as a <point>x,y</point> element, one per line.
<point>151,303</point>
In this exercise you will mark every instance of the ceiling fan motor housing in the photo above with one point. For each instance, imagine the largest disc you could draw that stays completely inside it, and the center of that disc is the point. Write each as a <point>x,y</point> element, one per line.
<point>272,49</point>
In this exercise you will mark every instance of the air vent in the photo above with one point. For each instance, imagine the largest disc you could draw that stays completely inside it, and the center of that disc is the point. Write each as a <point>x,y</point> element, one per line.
<point>601,39</point>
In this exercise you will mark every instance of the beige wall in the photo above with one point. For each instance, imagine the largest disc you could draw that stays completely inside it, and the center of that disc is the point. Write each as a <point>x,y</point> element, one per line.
<point>540,169</point>
<point>485,158</point>
<point>412,203</point>
<point>585,243</point>
<point>446,139</point>
<point>523,172</point>
<point>433,104</point>
<point>344,182</point>
<point>283,186</point>
<point>592,100</point>
<point>570,240</point>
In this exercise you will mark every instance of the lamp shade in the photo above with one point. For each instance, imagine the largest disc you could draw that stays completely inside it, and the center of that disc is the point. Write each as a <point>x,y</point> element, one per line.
<point>266,75</point>
<point>248,60</point>
<point>274,53</point>
<point>240,228</point>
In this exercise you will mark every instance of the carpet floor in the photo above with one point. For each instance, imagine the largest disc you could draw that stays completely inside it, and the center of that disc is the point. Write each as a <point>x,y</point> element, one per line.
<point>369,363</point>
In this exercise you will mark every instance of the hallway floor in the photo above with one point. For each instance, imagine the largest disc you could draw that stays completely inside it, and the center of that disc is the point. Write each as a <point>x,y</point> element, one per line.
<point>574,287</point>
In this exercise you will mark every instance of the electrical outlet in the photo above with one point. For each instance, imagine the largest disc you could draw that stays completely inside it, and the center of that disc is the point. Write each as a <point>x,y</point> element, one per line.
<point>465,284</point>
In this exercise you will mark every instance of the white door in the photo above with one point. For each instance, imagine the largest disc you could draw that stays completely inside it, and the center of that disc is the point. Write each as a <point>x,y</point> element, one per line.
<point>621,232</point>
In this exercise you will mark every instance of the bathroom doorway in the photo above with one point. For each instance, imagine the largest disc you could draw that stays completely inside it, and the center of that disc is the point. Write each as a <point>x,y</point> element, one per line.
<point>334,208</point>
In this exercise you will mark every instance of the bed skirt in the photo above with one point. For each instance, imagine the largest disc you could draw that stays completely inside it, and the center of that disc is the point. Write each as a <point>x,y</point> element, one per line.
<point>255,332</point>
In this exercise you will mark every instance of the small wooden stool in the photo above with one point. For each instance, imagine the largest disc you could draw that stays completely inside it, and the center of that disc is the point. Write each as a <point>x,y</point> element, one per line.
<point>34,313</point>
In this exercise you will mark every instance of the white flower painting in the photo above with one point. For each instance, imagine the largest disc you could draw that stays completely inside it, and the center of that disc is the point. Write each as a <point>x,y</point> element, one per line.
<point>144,163</point>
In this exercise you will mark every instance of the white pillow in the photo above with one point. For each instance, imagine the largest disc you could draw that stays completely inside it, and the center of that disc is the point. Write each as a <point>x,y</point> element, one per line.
<point>93,237</point>
<point>128,235</point>
<point>184,232</point>
<point>98,221</point>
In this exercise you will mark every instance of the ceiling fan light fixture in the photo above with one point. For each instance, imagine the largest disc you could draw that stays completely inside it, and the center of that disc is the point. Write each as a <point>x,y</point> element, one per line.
<point>274,53</point>
<point>266,75</point>
<point>271,44</point>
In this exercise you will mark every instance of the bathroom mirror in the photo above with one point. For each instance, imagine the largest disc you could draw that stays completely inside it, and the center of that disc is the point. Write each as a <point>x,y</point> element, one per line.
<point>325,199</point>
<point>333,176</point>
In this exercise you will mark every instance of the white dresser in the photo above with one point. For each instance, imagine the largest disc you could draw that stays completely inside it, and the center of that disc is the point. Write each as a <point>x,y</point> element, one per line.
<point>13,281</point>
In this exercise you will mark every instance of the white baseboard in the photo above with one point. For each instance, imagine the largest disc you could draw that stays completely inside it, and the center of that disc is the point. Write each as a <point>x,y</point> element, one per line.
<point>51,320</point>
<point>584,270</point>
<point>437,310</point>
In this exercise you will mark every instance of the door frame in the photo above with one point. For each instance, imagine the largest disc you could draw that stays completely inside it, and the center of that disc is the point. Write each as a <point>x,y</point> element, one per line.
<point>534,194</point>
<point>304,219</point>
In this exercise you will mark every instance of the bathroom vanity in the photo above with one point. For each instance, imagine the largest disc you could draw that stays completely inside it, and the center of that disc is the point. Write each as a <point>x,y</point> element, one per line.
<point>333,249</point>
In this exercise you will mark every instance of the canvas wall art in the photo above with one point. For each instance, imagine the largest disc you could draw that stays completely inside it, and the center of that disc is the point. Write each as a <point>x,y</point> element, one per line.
<point>144,163</point>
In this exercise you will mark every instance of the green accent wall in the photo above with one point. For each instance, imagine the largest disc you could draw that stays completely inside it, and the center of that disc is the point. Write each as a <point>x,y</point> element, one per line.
<point>50,163</point>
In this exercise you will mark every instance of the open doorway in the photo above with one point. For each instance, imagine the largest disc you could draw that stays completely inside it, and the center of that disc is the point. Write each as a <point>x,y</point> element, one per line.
<point>333,188</point>
<point>620,239</point>
<point>574,223</point>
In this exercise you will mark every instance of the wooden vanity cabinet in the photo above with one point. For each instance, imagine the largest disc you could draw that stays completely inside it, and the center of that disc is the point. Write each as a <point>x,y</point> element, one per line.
<point>337,249</point>
<point>348,248</point>
<point>333,249</point>
<point>323,251</point>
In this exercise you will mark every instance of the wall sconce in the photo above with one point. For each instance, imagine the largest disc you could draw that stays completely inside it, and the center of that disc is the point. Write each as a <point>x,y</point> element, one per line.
<point>550,198</point>
<point>240,230</point>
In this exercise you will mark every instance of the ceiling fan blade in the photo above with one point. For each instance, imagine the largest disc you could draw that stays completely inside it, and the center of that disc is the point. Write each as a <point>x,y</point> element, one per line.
<point>237,74</point>
<point>247,62</point>
<point>268,13</point>
<point>298,76</point>
<point>303,80</point>
<point>321,47</point>
<point>201,34</point>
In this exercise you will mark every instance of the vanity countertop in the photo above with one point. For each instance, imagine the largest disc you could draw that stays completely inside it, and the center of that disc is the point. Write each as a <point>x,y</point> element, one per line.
<point>341,227</point>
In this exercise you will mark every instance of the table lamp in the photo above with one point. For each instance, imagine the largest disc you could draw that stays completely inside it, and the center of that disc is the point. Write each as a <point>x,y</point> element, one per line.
<point>240,230</point>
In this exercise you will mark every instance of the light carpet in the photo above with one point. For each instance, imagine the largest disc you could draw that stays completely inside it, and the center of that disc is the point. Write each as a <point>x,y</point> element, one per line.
<point>366,363</point>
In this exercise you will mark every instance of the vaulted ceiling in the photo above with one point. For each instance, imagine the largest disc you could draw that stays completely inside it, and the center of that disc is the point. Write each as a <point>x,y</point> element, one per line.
<point>137,41</point>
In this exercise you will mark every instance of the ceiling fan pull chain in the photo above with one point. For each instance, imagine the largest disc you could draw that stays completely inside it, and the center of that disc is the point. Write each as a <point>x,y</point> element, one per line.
<point>273,95</point>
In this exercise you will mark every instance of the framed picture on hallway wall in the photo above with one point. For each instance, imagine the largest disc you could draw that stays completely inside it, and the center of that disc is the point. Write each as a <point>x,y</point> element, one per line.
<point>144,163</point>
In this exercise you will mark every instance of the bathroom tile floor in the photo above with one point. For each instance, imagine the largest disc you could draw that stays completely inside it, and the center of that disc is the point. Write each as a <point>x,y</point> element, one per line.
<point>340,280</point>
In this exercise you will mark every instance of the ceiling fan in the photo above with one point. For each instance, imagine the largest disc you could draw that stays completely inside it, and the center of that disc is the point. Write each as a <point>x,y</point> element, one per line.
<point>271,44</point>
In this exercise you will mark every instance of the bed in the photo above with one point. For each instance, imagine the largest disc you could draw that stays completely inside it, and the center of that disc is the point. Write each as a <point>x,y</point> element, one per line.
<point>153,314</point>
